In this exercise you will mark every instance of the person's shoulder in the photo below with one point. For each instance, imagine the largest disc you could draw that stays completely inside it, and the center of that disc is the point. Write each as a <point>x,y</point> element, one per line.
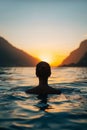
<point>54,91</point>
<point>48,90</point>
<point>32,91</point>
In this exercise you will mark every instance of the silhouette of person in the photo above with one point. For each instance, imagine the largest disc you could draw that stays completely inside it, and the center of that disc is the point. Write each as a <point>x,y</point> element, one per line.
<point>43,72</point>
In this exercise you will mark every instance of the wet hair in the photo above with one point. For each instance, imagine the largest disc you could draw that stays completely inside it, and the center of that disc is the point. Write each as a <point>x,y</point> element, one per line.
<point>43,70</point>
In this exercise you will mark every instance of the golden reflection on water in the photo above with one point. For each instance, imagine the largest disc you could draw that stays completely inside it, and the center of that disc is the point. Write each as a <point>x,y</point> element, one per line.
<point>60,104</point>
<point>59,108</point>
<point>52,104</point>
<point>36,116</point>
<point>61,97</point>
<point>79,121</point>
<point>27,107</point>
<point>23,125</point>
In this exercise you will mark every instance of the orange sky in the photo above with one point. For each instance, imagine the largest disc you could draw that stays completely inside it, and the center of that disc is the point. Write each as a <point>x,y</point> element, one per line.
<point>52,57</point>
<point>47,29</point>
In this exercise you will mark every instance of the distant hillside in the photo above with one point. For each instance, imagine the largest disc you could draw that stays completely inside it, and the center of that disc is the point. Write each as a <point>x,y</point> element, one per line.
<point>83,61</point>
<point>76,56</point>
<point>11,56</point>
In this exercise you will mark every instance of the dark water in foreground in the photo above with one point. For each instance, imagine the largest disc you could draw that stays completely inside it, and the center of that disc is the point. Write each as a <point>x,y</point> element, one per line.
<point>19,111</point>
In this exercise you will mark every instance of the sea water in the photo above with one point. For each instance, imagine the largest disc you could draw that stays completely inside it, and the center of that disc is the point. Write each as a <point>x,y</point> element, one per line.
<point>21,111</point>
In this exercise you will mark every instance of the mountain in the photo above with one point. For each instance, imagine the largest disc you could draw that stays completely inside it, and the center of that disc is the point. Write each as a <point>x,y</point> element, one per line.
<point>76,56</point>
<point>12,56</point>
<point>83,61</point>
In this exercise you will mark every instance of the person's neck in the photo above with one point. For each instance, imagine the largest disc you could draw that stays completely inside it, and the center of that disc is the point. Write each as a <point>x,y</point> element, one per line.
<point>43,82</point>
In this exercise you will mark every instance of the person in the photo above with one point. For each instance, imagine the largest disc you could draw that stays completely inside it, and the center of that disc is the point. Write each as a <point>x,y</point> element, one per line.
<point>43,72</point>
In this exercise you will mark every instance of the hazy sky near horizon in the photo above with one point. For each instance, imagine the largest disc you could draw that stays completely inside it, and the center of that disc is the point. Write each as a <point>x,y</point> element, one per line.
<point>44,26</point>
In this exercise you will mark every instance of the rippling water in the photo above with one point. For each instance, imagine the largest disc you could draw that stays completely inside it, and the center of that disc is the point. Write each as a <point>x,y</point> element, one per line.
<point>20,111</point>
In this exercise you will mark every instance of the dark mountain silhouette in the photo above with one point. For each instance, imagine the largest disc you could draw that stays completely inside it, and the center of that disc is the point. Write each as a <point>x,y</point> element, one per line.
<point>76,57</point>
<point>12,56</point>
<point>83,61</point>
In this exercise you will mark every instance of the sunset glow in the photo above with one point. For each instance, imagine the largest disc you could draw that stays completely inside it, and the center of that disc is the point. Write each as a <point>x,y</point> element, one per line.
<point>52,58</point>
<point>46,57</point>
<point>46,29</point>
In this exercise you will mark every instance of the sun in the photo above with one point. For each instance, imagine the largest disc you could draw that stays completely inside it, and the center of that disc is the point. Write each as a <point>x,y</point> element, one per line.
<point>53,58</point>
<point>47,58</point>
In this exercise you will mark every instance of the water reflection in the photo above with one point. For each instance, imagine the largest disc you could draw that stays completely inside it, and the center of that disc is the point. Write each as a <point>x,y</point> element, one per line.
<point>5,70</point>
<point>5,73</point>
<point>57,103</point>
<point>43,105</point>
<point>48,112</point>
<point>53,103</point>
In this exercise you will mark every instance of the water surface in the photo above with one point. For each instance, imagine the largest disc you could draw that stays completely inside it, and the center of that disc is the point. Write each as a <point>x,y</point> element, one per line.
<point>21,111</point>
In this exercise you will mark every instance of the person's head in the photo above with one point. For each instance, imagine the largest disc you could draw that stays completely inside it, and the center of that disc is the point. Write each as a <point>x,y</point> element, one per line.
<point>43,70</point>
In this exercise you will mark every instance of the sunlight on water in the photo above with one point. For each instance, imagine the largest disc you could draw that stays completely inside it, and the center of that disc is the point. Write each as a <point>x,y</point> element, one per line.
<point>22,125</point>
<point>27,106</point>
<point>19,110</point>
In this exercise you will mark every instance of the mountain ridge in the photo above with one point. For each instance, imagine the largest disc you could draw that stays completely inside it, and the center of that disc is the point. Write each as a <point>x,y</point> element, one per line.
<point>12,56</point>
<point>76,55</point>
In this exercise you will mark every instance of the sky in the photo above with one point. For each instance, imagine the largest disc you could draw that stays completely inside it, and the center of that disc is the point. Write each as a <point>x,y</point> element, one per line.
<point>47,29</point>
